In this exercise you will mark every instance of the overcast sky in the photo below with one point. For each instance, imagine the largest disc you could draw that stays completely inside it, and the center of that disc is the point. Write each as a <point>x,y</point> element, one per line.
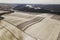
<point>32,1</point>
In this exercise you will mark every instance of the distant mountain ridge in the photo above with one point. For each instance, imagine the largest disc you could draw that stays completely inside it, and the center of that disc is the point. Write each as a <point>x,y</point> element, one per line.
<point>55,7</point>
<point>48,7</point>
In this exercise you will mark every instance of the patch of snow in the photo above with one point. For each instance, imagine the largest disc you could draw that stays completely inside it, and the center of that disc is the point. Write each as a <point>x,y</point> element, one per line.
<point>29,6</point>
<point>37,8</point>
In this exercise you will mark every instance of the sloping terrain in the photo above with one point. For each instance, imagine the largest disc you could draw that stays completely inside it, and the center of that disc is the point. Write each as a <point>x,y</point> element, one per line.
<point>30,26</point>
